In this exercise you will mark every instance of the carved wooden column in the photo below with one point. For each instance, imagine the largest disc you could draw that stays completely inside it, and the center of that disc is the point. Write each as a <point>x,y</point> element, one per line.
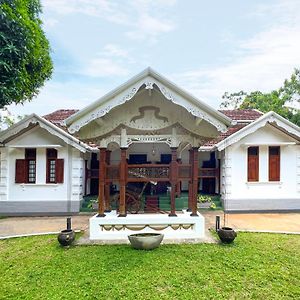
<point>85,176</point>
<point>178,186</point>
<point>107,185</point>
<point>195,181</point>
<point>173,180</point>
<point>190,199</point>
<point>123,179</point>
<point>102,173</point>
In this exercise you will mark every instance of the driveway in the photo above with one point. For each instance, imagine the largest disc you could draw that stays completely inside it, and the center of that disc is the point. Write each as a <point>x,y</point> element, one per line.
<point>271,222</point>
<point>289,222</point>
<point>12,226</point>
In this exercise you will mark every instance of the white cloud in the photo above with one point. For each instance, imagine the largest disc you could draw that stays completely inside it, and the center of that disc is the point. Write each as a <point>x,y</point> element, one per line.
<point>50,22</point>
<point>150,27</point>
<point>104,67</point>
<point>114,50</point>
<point>262,63</point>
<point>54,95</point>
<point>142,18</point>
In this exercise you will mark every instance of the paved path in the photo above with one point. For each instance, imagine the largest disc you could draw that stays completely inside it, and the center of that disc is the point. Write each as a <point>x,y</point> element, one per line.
<point>272,222</point>
<point>253,222</point>
<point>29,225</point>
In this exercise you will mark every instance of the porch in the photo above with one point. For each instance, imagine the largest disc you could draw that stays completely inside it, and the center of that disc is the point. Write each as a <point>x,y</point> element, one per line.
<point>150,183</point>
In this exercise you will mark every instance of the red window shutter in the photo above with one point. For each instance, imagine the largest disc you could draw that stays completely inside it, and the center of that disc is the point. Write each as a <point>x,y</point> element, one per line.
<point>21,171</point>
<point>274,163</point>
<point>253,164</point>
<point>59,171</point>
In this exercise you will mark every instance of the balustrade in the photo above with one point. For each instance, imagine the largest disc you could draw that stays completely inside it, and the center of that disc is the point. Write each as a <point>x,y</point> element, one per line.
<point>152,171</point>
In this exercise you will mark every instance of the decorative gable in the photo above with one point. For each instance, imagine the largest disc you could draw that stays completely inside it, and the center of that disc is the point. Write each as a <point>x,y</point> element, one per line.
<point>147,80</point>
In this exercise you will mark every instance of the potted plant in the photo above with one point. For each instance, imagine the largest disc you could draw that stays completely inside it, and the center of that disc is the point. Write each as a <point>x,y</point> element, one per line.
<point>204,201</point>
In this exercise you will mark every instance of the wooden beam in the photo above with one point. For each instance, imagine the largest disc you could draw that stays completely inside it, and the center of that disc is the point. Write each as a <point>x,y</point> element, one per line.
<point>173,180</point>
<point>107,184</point>
<point>195,182</point>
<point>190,199</point>
<point>102,173</point>
<point>123,179</point>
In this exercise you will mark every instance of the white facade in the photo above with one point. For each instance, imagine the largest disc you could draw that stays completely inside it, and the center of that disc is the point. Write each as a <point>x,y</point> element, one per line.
<point>263,195</point>
<point>40,197</point>
<point>149,115</point>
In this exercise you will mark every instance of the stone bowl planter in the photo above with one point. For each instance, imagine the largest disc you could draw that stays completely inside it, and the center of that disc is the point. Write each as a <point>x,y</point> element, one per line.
<point>66,237</point>
<point>145,241</point>
<point>226,235</point>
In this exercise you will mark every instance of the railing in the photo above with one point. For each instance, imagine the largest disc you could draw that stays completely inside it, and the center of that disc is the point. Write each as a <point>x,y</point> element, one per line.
<point>208,172</point>
<point>152,172</point>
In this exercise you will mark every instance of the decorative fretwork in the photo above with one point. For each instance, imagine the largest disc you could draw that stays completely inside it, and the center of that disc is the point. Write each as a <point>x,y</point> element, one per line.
<point>149,172</point>
<point>139,227</point>
<point>148,82</point>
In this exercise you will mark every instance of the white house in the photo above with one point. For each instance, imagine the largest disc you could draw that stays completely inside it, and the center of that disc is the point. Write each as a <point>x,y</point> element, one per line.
<point>149,130</point>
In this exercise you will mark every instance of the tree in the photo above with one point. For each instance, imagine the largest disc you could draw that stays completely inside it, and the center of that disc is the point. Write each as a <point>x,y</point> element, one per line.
<point>25,62</point>
<point>7,119</point>
<point>281,101</point>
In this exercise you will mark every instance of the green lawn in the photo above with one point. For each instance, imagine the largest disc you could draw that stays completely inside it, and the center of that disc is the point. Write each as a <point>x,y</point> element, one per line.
<point>257,266</point>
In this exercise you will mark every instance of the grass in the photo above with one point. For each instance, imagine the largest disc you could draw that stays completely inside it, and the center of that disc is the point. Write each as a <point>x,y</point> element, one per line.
<point>257,266</point>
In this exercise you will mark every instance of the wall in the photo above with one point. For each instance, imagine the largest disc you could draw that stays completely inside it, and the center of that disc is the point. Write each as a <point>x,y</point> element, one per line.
<point>238,194</point>
<point>40,198</point>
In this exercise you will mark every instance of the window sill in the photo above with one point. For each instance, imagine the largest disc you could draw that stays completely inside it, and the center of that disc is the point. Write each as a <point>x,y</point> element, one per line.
<point>264,182</point>
<point>38,184</point>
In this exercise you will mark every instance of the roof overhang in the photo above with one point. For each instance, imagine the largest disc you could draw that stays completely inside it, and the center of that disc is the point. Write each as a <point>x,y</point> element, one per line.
<point>270,117</point>
<point>34,119</point>
<point>147,79</point>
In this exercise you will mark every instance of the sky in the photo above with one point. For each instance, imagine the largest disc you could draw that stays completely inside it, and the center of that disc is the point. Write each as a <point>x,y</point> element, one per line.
<point>205,47</point>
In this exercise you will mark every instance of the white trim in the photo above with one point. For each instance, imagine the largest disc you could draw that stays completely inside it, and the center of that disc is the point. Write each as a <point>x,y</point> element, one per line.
<point>263,182</point>
<point>38,184</point>
<point>51,128</point>
<point>34,146</point>
<point>269,144</point>
<point>128,90</point>
<point>270,117</point>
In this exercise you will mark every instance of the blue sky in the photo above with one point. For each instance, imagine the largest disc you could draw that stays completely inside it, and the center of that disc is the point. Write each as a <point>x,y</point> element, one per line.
<point>205,47</point>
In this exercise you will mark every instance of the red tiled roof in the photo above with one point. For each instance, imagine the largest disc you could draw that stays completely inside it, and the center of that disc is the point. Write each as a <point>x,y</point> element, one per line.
<point>242,114</point>
<point>225,135</point>
<point>58,116</point>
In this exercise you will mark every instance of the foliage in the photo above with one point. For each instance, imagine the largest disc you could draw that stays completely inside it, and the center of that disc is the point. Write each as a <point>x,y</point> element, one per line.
<point>256,266</point>
<point>279,101</point>
<point>25,61</point>
<point>213,206</point>
<point>7,119</point>
<point>204,198</point>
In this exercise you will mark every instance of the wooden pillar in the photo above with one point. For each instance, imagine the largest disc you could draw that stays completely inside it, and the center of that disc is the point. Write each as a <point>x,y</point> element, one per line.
<point>173,180</point>
<point>102,173</point>
<point>85,177</point>
<point>219,176</point>
<point>195,181</point>
<point>178,186</point>
<point>190,199</point>
<point>107,185</point>
<point>123,179</point>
